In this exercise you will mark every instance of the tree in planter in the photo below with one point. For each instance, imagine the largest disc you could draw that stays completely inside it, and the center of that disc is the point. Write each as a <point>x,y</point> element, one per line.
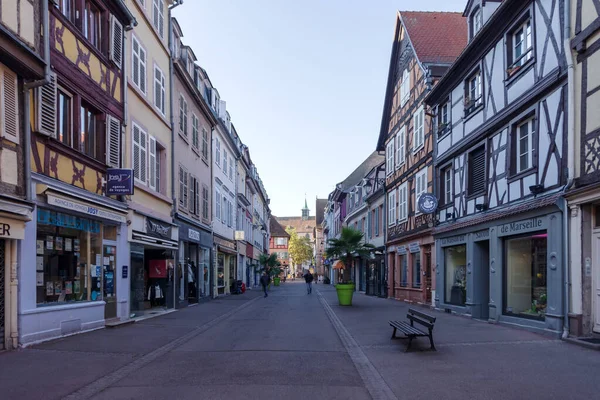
<point>299,248</point>
<point>350,243</point>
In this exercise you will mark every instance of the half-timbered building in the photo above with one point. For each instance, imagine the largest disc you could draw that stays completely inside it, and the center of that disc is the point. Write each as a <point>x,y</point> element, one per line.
<point>69,280</point>
<point>501,153</point>
<point>584,197</point>
<point>425,45</point>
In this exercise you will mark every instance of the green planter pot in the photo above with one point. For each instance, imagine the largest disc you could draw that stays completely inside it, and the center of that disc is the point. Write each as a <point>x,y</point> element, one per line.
<point>345,291</point>
<point>276,281</point>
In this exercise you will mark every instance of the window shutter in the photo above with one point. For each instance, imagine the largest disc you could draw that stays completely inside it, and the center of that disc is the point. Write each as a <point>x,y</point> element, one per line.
<point>143,157</point>
<point>46,107</point>
<point>152,162</point>
<point>157,88</point>
<point>196,197</point>
<point>218,205</point>
<point>116,41</point>
<point>185,188</point>
<point>9,106</point>
<point>135,60</point>
<point>477,171</point>
<point>143,70</point>
<point>113,142</point>
<point>136,152</point>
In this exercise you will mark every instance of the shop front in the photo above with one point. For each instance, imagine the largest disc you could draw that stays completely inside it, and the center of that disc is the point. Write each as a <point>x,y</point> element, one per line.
<point>193,267</point>
<point>225,265</point>
<point>241,262</point>
<point>376,274</point>
<point>507,271</point>
<point>411,274</point>
<point>70,276</point>
<point>13,216</point>
<point>252,269</point>
<point>154,245</point>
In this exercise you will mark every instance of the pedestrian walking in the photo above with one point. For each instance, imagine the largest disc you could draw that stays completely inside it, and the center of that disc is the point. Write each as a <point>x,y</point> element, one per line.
<point>308,277</point>
<point>264,281</point>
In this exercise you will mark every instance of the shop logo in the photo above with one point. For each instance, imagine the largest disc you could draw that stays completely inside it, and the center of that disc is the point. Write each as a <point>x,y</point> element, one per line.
<point>428,203</point>
<point>153,227</point>
<point>119,181</point>
<point>194,235</point>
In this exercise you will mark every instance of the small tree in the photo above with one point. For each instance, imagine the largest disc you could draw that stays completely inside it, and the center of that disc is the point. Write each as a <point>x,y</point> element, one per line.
<point>350,243</point>
<point>270,264</point>
<point>299,248</point>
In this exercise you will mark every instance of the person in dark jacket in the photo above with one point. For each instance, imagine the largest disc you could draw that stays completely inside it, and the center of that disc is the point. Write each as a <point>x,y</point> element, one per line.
<point>308,277</point>
<point>264,281</point>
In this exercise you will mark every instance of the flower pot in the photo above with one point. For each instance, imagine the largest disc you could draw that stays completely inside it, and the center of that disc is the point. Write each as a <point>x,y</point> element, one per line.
<point>345,291</point>
<point>276,281</point>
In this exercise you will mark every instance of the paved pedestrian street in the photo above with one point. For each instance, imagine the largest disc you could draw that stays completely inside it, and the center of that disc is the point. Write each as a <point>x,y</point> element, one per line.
<point>297,346</point>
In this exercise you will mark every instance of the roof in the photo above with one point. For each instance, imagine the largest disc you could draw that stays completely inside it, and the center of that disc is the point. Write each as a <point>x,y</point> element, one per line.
<point>321,204</point>
<point>276,229</point>
<point>299,224</point>
<point>437,37</point>
<point>361,171</point>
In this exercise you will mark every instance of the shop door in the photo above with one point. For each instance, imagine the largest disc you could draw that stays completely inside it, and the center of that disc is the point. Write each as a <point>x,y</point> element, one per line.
<point>428,274</point>
<point>595,282</point>
<point>110,279</point>
<point>2,282</point>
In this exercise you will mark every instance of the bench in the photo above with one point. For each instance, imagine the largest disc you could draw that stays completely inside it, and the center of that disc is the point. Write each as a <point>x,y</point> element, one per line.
<point>410,331</point>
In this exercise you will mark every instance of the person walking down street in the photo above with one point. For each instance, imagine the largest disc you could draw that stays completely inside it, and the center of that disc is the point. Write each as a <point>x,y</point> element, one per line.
<point>264,281</point>
<point>308,277</point>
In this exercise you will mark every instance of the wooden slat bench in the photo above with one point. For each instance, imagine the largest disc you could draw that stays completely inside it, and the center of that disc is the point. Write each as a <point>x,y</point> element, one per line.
<point>410,331</point>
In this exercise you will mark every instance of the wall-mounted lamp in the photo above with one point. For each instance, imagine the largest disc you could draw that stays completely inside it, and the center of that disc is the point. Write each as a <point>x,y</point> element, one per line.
<point>536,189</point>
<point>449,215</point>
<point>481,207</point>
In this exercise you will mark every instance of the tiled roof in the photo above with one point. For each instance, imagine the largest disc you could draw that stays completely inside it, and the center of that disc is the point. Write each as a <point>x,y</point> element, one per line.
<point>276,229</point>
<point>361,171</point>
<point>320,211</point>
<point>438,37</point>
<point>301,226</point>
<point>494,214</point>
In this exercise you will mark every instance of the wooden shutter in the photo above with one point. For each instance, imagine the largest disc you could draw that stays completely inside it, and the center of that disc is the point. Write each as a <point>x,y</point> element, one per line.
<point>136,152</point>
<point>185,189</point>
<point>116,41</point>
<point>477,170</point>
<point>143,156</point>
<point>218,205</point>
<point>157,90</point>
<point>46,108</point>
<point>142,69</point>
<point>196,197</point>
<point>9,105</point>
<point>152,162</point>
<point>113,142</point>
<point>135,60</point>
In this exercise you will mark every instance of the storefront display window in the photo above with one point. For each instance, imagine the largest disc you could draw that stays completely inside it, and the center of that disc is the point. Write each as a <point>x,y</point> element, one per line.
<point>525,276</point>
<point>220,270</point>
<point>205,271</point>
<point>455,259</point>
<point>404,273</point>
<point>69,258</point>
<point>416,270</point>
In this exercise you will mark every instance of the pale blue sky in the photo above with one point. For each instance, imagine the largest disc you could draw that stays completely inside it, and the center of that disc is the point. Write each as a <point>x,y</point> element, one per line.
<point>304,82</point>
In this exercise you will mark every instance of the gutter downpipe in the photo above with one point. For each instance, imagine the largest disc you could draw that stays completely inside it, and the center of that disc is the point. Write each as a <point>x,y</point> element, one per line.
<point>171,102</point>
<point>27,99</point>
<point>571,163</point>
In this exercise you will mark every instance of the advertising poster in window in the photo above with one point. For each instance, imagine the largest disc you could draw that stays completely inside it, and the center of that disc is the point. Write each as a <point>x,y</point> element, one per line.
<point>68,287</point>
<point>76,287</point>
<point>57,288</point>
<point>40,247</point>
<point>109,284</point>
<point>49,288</point>
<point>158,269</point>
<point>59,244</point>
<point>68,244</point>
<point>50,242</point>
<point>39,278</point>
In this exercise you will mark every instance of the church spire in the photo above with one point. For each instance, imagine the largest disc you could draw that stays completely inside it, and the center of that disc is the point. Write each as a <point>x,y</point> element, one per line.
<point>305,210</point>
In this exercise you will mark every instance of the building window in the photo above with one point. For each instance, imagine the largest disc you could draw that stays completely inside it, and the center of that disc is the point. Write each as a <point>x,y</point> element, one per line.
<point>91,24</point>
<point>158,17</point>
<point>444,124</point>
<point>224,212</point>
<point>66,8</point>
<point>195,137</point>
<point>88,140</point>
<point>420,185</point>
<point>64,116</point>
<point>403,202</point>
<point>524,149</point>
<point>376,221</point>
<point>477,171</point>
<point>138,58</point>
<point>280,241</point>
<point>140,153</point>
<point>405,87</point>
<point>520,47</point>
<point>392,207</point>
<point>205,144</point>
<point>67,247</point>
<point>195,197</point>
<point>455,265</point>
<point>473,92</point>
<point>183,116</point>
<point>476,22</point>
<point>205,202</point>
<point>389,166</point>
<point>154,150</point>
<point>217,204</point>
<point>183,187</point>
<point>419,129</point>
<point>446,186</point>
<point>230,168</point>
<point>217,152</point>
<point>159,90</point>
<point>525,276</point>
<point>403,270</point>
<point>225,161</point>
<point>416,270</point>
<point>401,147</point>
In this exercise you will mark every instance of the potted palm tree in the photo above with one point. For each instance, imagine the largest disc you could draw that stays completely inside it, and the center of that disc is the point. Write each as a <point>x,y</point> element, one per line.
<point>350,244</point>
<point>271,266</point>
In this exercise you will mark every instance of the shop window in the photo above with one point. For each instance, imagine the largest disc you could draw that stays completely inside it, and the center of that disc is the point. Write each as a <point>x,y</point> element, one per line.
<point>67,252</point>
<point>403,271</point>
<point>205,268</point>
<point>455,264</point>
<point>416,270</point>
<point>477,171</point>
<point>221,271</point>
<point>526,276</point>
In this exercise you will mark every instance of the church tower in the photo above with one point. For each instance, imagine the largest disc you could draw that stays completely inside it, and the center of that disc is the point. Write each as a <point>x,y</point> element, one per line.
<point>305,211</point>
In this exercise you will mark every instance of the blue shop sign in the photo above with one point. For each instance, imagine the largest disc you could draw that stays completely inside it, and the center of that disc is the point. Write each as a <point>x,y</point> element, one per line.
<point>119,181</point>
<point>428,203</point>
<point>47,217</point>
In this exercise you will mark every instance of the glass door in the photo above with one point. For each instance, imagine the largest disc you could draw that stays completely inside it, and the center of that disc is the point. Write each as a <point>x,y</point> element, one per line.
<point>109,269</point>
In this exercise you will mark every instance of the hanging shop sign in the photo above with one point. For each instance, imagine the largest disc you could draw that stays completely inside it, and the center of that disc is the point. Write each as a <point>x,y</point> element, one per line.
<point>428,203</point>
<point>88,209</point>
<point>119,181</point>
<point>158,229</point>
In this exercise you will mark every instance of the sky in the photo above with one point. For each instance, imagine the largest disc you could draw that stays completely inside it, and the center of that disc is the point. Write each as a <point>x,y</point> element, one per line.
<point>304,82</point>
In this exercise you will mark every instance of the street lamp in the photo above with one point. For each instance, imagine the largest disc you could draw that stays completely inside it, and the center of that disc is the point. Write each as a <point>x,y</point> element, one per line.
<point>368,182</point>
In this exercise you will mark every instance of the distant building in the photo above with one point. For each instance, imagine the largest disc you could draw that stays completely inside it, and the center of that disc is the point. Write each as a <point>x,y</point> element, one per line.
<point>305,226</point>
<point>279,243</point>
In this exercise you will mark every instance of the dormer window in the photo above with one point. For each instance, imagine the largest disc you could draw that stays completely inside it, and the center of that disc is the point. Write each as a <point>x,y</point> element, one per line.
<point>476,22</point>
<point>443,119</point>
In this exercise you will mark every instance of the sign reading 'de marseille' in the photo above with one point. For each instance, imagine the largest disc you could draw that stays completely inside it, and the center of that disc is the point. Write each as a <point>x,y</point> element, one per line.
<point>428,203</point>
<point>84,208</point>
<point>119,181</point>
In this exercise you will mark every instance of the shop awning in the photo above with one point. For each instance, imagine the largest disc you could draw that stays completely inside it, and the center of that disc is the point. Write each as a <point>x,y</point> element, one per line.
<point>157,242</point>
<point>223,249</point>
<point>339,264</point>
